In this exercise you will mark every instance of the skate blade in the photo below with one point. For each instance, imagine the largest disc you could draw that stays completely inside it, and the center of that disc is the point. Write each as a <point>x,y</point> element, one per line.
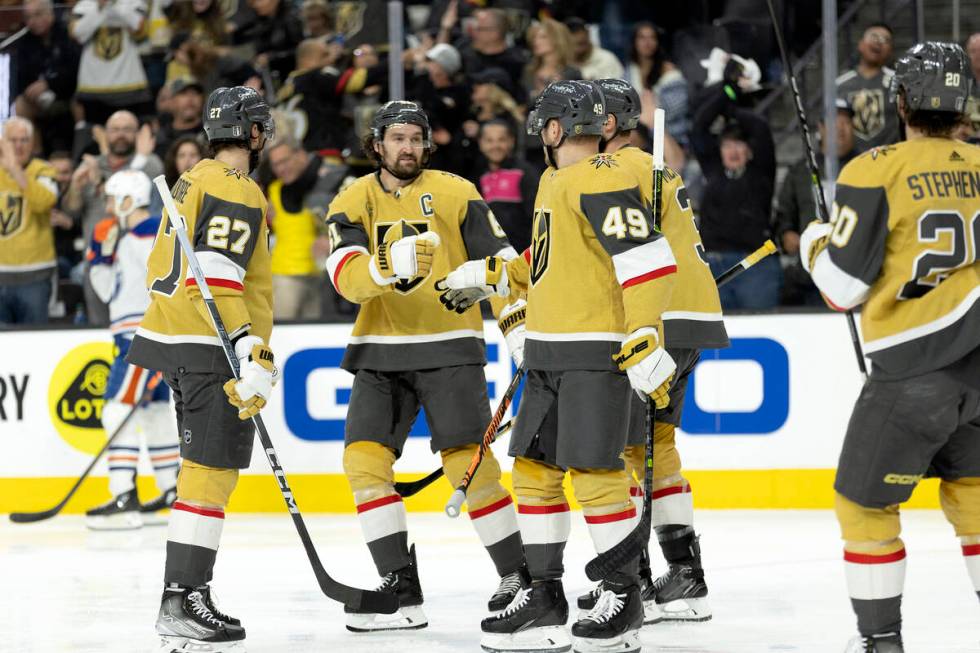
<point>689,610</point>
<point>549,639</point>
<point>174,644</point>
<point>407,618</point>
<point>124,521</point>
<point>652,614</point>
<point>154,518</point>
<point>628,642</point>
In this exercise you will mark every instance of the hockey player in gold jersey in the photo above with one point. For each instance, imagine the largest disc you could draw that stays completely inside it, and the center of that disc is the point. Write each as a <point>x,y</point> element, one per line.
<point>903,243</point>
<point>393,233</point>
<point>598,277</point>
<point>692,322</point>
<point>224,212</point>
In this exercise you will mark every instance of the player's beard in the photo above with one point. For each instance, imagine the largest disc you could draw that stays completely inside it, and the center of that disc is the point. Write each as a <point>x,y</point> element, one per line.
<point>404,170</point>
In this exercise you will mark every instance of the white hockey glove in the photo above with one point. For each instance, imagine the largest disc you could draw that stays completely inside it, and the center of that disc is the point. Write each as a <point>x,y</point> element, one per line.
<point>511,324</point>
<point>473,281</point>
<point>405,258</point>
<point>648,366</point>
<point>813,240</point>
<point>257,372</point>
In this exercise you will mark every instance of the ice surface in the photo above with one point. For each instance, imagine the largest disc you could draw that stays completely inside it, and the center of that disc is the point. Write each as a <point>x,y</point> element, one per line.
<point>776,580</point>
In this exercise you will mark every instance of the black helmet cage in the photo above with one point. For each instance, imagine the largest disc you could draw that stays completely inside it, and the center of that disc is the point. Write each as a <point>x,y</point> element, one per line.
<point>401,112</point>
<point>230,113</point>
<point>622,101</point>
<point>933,76</point>
<point>578,106</point>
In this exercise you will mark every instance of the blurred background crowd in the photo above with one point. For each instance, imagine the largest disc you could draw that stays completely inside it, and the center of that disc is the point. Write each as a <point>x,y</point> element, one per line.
<point>90,88</point>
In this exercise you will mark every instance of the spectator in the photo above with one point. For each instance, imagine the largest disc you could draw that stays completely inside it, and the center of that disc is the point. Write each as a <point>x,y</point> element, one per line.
<point>27,258</point>
<point>110,73</point>
<point>508,186</point>
<point>47,70</point>
<point>551,56</point>
<point>593,61</point>
<point>66,230</point>
<point>659,82</point>
<point>740,169</point>
<point>492,99</point>
<point>184,153</point>
<point>298,198</point>
<point>446,100</point>
<point>796,209</point>
<point>274,32</point>
<point>127,146</point>
<point>202,19</point>
<point>317,22</point>
<point>973,49</point>
<point>488,47</point>
<point>186,104</point>
<point>866,91</point>
<point>206,63</point>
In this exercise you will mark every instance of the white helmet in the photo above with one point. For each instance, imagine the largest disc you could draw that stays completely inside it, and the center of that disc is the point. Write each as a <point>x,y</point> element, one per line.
<point>129,183</point>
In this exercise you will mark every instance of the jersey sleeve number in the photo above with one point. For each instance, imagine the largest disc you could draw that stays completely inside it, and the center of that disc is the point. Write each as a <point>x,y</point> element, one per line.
<point>168,285</point>
<point>219,233</point>
<point>635,225</point>
<point>933,266</point>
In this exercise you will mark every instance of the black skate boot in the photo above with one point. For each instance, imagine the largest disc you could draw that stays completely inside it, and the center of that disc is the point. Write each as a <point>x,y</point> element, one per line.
<point>508,588</point>
<point>681,593</point>
<point>614,622</point>
<point>118,514</point>
<point>209,600</point>
<point>881,643</point>
<point>587,601</point>
<point>151,511</point>
<point>186,623</point>
<point>534,621</point>
<point>409,616</point>
<point>651,611</point>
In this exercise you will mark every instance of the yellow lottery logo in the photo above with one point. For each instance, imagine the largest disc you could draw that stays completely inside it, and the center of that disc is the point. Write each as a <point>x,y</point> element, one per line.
<point>76,395</point>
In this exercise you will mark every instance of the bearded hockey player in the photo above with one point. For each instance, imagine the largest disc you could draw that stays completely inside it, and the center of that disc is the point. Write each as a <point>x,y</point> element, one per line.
<point>117,260</point>
<point>225,215</point>
<point>902,244</point>
<point>592,224</point>
<point>692,321</point>
<point>392,234</point>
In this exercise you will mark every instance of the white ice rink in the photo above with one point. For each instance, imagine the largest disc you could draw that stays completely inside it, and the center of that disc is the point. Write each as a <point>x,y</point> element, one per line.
<point>776,582</point>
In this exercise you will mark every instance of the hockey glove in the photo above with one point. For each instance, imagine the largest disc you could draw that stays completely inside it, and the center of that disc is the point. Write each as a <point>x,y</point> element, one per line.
<point>476,280</point>
<point>813,240</point>
<point>649,367</point>
<point>511,324</point>
<point>105,237</point>
<point>405,258</point>
<point>257,372</point>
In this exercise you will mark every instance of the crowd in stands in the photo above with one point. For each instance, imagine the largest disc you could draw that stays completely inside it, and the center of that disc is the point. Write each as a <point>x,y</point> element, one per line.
<point>105,85</point>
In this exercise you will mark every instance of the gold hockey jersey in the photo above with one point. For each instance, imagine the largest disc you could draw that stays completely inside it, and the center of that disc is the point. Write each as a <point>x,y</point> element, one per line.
<point>225,214</point>
<point>599,269</point>
<point>904,244</point>
<point>26,239</point>
<point>693,318</point>
<point>402,325</point>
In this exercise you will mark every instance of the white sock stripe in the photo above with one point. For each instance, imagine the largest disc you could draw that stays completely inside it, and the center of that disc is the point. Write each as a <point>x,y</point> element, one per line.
<point>497,525</point>
<point>875,581</point>
<point>638,504</point>
<point>674,509</point>
<point>546,528</point>
<point>383,521</point>
<point>195,529</point>
<point>973,564</point>
<point>606,535</point>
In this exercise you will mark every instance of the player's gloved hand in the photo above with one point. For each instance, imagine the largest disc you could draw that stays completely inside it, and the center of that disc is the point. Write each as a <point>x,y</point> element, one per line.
<point>813,240</point>
<point>405,258</point>
<point>105,237</point>
<point>511,324</point>
<point>257,372</point>
<point>479,280</point>
<point>649,367</point>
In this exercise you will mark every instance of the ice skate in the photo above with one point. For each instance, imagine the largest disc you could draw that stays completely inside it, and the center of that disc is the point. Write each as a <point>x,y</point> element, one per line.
<point>118,514</point>
<point>883,643</point>
<point>409,616</point>
<point>187,624</point>
<point>681,594</point>
<point>613,624</point>
<point>652,613</point>
<point>534,621</point>
<point>150,511</point>
<point>508,588</point>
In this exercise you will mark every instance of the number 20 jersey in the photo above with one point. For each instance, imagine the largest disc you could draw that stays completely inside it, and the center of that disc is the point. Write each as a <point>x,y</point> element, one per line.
<point>225,215</point>
<point>905,239</point>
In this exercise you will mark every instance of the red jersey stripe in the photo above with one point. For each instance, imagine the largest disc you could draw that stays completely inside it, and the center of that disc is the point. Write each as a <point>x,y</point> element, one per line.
<point>378,503</point>
<point>649,276</point>
<point>340,266</point>
<point>870,559</point>
<point>667,491</point>
<point>971,549</point>
<point>616,516</point>
<point>197,510</point>
<point>542,510</point>
<point>493,507</point>
<point>217,282</point>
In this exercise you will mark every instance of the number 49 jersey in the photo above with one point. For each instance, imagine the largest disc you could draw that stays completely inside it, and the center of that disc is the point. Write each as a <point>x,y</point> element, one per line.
<point>906,233</point>
<point>225,215</point>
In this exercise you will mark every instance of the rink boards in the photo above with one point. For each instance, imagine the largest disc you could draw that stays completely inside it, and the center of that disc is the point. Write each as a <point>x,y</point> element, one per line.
<point>762,426</point>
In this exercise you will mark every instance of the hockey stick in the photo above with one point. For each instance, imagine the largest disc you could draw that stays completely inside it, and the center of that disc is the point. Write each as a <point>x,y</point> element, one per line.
<point>455,503</point>
<point>351,597</point>
<point>29,517</point>
<point>811,160</point>
<point>406,489</point>
<point>633,544</point>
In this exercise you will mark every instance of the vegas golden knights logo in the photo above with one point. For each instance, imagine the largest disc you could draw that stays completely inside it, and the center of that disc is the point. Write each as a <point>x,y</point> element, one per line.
<point>540,244</point>
<point>413,228</point>
<point>108,42</point>
<point>11,218</point>
<point>869,112</point>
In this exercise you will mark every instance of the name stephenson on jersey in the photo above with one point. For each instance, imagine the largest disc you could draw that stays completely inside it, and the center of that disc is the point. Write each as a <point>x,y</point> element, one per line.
<point>905,239</point>
<point>403,326</point>
<point>225,215</point>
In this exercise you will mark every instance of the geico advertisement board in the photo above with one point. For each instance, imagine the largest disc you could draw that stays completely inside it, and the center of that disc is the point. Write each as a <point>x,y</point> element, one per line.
<point>779,398</point>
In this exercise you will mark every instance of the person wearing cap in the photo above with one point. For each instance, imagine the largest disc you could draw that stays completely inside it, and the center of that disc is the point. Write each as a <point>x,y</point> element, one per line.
<point>186,102</point>
<point>445,99</point>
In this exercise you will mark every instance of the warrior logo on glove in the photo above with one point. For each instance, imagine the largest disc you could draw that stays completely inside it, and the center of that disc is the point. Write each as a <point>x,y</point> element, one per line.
<point>389,232</point>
